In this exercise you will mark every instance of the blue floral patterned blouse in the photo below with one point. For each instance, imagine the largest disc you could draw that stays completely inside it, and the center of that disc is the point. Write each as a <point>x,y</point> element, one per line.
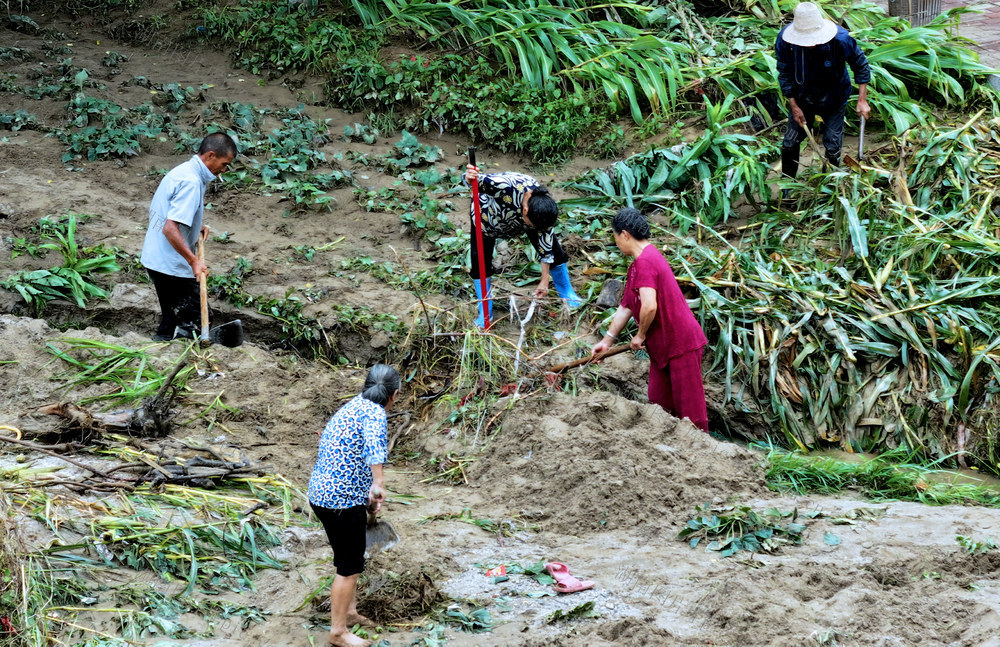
<point>353,440</point>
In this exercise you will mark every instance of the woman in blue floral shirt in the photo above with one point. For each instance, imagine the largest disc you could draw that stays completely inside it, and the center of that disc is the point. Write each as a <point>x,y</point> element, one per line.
<point>513,204</point>
<point>345,484</point>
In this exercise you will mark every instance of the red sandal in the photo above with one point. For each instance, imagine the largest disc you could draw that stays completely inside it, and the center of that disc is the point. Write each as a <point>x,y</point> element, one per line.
<point>566,583</point>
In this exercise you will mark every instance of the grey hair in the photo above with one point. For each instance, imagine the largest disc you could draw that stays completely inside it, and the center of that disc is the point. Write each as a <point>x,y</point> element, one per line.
<point>381,383</point>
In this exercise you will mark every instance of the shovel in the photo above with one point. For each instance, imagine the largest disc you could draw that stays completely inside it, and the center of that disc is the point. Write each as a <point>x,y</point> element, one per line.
<point>228,334</point>
<point>379,535</point>
<point>850,161</point>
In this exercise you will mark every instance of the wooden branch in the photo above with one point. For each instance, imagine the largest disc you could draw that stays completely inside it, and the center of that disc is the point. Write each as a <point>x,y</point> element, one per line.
<point>45,449</point>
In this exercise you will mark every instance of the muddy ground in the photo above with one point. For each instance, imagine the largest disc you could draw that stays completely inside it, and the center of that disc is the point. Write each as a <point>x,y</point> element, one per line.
<point>597,480</point>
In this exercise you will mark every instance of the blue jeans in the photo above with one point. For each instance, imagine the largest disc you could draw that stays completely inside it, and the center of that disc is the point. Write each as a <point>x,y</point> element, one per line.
<point>833,135</point>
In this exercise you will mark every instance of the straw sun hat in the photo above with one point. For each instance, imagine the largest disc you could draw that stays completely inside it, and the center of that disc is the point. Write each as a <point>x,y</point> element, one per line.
<point>809,27</point>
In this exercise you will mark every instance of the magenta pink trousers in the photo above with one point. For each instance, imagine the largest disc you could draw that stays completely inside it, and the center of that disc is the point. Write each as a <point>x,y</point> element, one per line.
<point>678,388</point>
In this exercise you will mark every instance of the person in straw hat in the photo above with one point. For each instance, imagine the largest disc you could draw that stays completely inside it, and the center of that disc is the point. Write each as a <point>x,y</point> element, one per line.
<point>812,55</point>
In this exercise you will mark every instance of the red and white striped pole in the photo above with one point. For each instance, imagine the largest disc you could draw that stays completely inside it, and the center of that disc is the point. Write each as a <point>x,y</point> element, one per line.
<point>484,302</point>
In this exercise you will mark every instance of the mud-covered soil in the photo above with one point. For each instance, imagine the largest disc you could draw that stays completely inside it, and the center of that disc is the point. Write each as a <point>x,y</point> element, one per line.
<point>597,480</point>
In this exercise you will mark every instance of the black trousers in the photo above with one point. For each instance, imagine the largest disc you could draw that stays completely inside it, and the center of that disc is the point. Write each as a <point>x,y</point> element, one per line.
<point>833,135</point>
<point>558,255</point>
<point>180,304</point>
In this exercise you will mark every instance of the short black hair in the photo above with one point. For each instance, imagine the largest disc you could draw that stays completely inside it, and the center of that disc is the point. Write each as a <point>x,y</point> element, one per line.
<point>219,143</point>
<point>542,208</point>
<point>632,221</point>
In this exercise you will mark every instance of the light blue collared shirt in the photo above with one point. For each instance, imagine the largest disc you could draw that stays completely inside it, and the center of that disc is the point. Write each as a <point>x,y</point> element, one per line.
<point>181,198</point>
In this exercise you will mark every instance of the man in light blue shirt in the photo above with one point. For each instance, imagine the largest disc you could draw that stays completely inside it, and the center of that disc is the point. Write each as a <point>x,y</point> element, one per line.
<point>175,223</point>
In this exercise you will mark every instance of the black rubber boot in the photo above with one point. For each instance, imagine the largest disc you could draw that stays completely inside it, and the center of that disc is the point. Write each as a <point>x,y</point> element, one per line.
<point>790,161</point>
<point>789,168</point>
<point>833,158</point>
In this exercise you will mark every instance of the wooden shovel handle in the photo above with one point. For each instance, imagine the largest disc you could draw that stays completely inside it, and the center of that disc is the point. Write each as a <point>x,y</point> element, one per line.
<point>203,288</point>
<point>614,350</point>
<point>812,143</point>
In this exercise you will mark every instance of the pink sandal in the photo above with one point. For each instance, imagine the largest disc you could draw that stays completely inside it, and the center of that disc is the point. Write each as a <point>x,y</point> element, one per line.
<point>566,583</point>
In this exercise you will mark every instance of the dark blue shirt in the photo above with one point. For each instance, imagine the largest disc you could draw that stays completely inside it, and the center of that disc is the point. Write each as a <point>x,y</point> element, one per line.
<point>817,76</point>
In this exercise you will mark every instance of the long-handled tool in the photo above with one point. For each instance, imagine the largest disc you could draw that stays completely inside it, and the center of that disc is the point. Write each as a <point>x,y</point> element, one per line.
<point>484,302</point>
<point>812,143</point>
<point>614,350</point>
<point>203,288</point>
<point>861,141</point>
<point>228,334</point>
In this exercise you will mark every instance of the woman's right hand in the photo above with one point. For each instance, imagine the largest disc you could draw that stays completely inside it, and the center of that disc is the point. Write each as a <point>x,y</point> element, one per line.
<point>471,173</point>
<point>600,347</point>
<point>375,498</point>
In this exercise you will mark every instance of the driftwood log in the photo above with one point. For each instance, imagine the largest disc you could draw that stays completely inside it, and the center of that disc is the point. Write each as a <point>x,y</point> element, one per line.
<point>201,467</point>
<point>153,418</point>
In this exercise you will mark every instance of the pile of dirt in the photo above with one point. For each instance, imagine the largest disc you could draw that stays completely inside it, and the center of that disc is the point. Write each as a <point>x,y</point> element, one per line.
<point>602,462</point>
<point>394,588</point>
<point>627,632</point>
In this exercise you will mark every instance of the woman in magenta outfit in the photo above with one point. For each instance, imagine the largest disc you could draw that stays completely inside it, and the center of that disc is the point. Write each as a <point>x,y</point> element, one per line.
<point>667,328</point>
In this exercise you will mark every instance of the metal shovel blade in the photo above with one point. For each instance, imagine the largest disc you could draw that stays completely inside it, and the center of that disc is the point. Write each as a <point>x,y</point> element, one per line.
<point>861,141</point>
<point>379,536</point>
<point>228,334</point>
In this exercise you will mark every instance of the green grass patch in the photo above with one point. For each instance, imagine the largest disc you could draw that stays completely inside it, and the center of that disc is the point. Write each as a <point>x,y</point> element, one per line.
<point>890,476</point>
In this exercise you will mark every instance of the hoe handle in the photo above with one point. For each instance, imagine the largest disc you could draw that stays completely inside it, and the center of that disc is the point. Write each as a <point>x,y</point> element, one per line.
<point>203,288</point>
<point>614,350</point>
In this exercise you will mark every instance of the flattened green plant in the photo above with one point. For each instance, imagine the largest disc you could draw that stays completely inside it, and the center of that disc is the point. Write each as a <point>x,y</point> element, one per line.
<point>730,529</point>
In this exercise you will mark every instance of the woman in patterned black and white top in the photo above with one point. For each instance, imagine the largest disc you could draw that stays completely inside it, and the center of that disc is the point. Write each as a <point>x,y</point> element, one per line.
<point>513,204</point>
<point>345,484</point>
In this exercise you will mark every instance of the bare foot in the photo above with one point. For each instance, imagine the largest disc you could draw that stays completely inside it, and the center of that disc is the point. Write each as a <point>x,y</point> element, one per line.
<point>358,619</point>
<point>347,639</point>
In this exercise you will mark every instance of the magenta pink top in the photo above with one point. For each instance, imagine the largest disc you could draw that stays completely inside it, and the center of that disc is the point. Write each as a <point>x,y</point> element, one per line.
<point>674,330</point>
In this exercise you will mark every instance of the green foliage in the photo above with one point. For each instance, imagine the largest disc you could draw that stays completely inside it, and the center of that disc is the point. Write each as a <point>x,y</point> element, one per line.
<point>732,529</point>
<point>113,59</point>
<point>975,546</point>
<point>568,44</point>
<point>460,95</point>
<point>892,475</point>
<point>704,177</point>
<point>932,62</point>
<point>17,120</point>
<point>128,371</point>
<point>580,611</point>
<point>297,330</point>
<point>477,620</point>
<point>361,133</point>
<point>365,320</point>
<point>73,279</point>
<point>118,134</point>
<point>410,152</point>
<point>173,97</point>
<point>535,571</point>
<point>280,37</point>
<point>14,54</point>
<point>305,252</point>
<point>66,81</point>
<point>8,83</point>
